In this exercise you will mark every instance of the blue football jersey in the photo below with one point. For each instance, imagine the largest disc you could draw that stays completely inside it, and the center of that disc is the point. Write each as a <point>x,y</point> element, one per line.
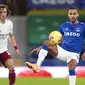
<point>73,36</point>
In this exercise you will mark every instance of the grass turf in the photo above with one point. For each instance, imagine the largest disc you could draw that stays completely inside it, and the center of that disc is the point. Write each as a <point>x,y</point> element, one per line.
<point>42,81</point>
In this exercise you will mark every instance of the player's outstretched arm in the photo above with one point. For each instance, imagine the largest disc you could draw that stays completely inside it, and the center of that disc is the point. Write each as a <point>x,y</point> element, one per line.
<point>13,42</point>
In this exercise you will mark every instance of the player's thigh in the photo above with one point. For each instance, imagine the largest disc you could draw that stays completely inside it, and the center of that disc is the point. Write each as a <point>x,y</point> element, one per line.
<point>9,63</point>
<point>61,53</point>
<point>72,56</point>
<point>7,60</point>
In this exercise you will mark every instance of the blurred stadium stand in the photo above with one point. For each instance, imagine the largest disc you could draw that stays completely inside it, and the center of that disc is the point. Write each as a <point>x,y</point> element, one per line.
<point>34,20</point>
<point>17,7</point>
<point>1,1</point>
<point>82,4</point>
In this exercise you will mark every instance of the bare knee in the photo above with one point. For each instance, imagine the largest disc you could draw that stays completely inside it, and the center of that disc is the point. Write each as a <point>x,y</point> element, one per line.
<point>47,43</point>
<point>52,48</point>
<point>11,68</point>
<point>72,64</point>
<point>10,64</point>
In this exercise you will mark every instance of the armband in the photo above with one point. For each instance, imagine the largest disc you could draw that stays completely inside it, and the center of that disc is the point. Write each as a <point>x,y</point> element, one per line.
<point>15,47</point>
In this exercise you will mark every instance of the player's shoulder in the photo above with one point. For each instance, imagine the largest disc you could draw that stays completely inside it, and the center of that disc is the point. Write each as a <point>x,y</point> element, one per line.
<point>9,21</point>
<point>82,23</point>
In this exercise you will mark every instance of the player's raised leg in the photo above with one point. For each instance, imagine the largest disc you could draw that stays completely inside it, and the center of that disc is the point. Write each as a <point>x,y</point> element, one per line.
<point>46,47</point>
<point>49,45</point>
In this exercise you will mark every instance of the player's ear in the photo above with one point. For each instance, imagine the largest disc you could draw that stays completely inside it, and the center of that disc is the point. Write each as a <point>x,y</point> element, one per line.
<point>77,14</point>
<point>68,13</point>
<point>8,11</point>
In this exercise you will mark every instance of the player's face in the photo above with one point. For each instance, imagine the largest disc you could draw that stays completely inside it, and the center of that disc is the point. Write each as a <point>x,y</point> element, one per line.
<point>3,14</point>
<point>73,15</point>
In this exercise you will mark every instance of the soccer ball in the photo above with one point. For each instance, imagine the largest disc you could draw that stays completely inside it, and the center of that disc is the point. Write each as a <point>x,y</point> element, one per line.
<point>55,37</point>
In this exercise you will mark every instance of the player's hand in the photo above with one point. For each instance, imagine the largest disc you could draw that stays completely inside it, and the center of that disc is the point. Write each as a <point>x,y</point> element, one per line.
<point>83,56</point>
<point>34,67</point>
<point>34,51</point>
<point>18,52</point>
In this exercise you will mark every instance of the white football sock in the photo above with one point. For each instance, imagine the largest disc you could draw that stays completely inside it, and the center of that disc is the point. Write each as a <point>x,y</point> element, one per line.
<point>72,80</point>
<point>41,56</point>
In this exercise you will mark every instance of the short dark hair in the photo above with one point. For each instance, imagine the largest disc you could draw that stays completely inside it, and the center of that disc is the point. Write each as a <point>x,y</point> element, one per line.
<point>5,6</point>
<point>73,7</point>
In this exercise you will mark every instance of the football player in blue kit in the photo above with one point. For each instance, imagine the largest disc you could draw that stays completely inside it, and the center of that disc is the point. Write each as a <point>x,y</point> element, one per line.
<point>73,32</point>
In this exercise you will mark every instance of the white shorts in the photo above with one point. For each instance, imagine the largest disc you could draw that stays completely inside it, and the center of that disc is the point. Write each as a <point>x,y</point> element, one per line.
<point>66,55</point>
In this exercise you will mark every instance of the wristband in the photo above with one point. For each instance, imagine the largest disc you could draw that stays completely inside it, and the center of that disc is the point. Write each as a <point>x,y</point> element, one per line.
<point>15,47</point>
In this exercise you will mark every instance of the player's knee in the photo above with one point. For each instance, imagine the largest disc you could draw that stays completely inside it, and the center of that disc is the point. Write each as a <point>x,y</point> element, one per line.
<point>46,43</point>
<point>72,64</point>
<point>49,44</point>
<point>11,67</point>
<point>72,67</point>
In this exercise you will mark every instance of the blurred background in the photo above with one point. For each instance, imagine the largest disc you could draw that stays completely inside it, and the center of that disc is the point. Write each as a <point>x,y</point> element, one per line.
<point>33,21</point>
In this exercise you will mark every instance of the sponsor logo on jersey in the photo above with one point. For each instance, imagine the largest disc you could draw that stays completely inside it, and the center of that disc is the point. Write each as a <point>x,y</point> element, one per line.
<point>3,36</point>
<point>71,34</point>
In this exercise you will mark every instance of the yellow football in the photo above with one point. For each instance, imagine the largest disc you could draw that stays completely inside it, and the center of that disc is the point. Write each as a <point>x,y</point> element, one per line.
<point>55,37</point>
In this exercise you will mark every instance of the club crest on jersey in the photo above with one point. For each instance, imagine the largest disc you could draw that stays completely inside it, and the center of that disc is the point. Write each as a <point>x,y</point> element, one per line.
<point>77,29</point>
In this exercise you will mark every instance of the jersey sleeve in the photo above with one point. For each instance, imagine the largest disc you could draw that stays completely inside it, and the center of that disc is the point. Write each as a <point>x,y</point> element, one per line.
<point>11,28</point>
<point>60,30</point>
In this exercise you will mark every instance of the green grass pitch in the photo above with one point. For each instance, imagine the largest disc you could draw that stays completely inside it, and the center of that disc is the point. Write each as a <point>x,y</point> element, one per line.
<point>42,81</point>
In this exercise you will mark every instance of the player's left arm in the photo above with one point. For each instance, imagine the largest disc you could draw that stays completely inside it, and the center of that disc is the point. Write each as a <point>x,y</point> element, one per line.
<point>13,42</point>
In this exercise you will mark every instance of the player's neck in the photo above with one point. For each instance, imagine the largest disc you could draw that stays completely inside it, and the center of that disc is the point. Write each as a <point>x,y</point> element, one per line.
<point>2,21</point>
<point>75,22</point>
